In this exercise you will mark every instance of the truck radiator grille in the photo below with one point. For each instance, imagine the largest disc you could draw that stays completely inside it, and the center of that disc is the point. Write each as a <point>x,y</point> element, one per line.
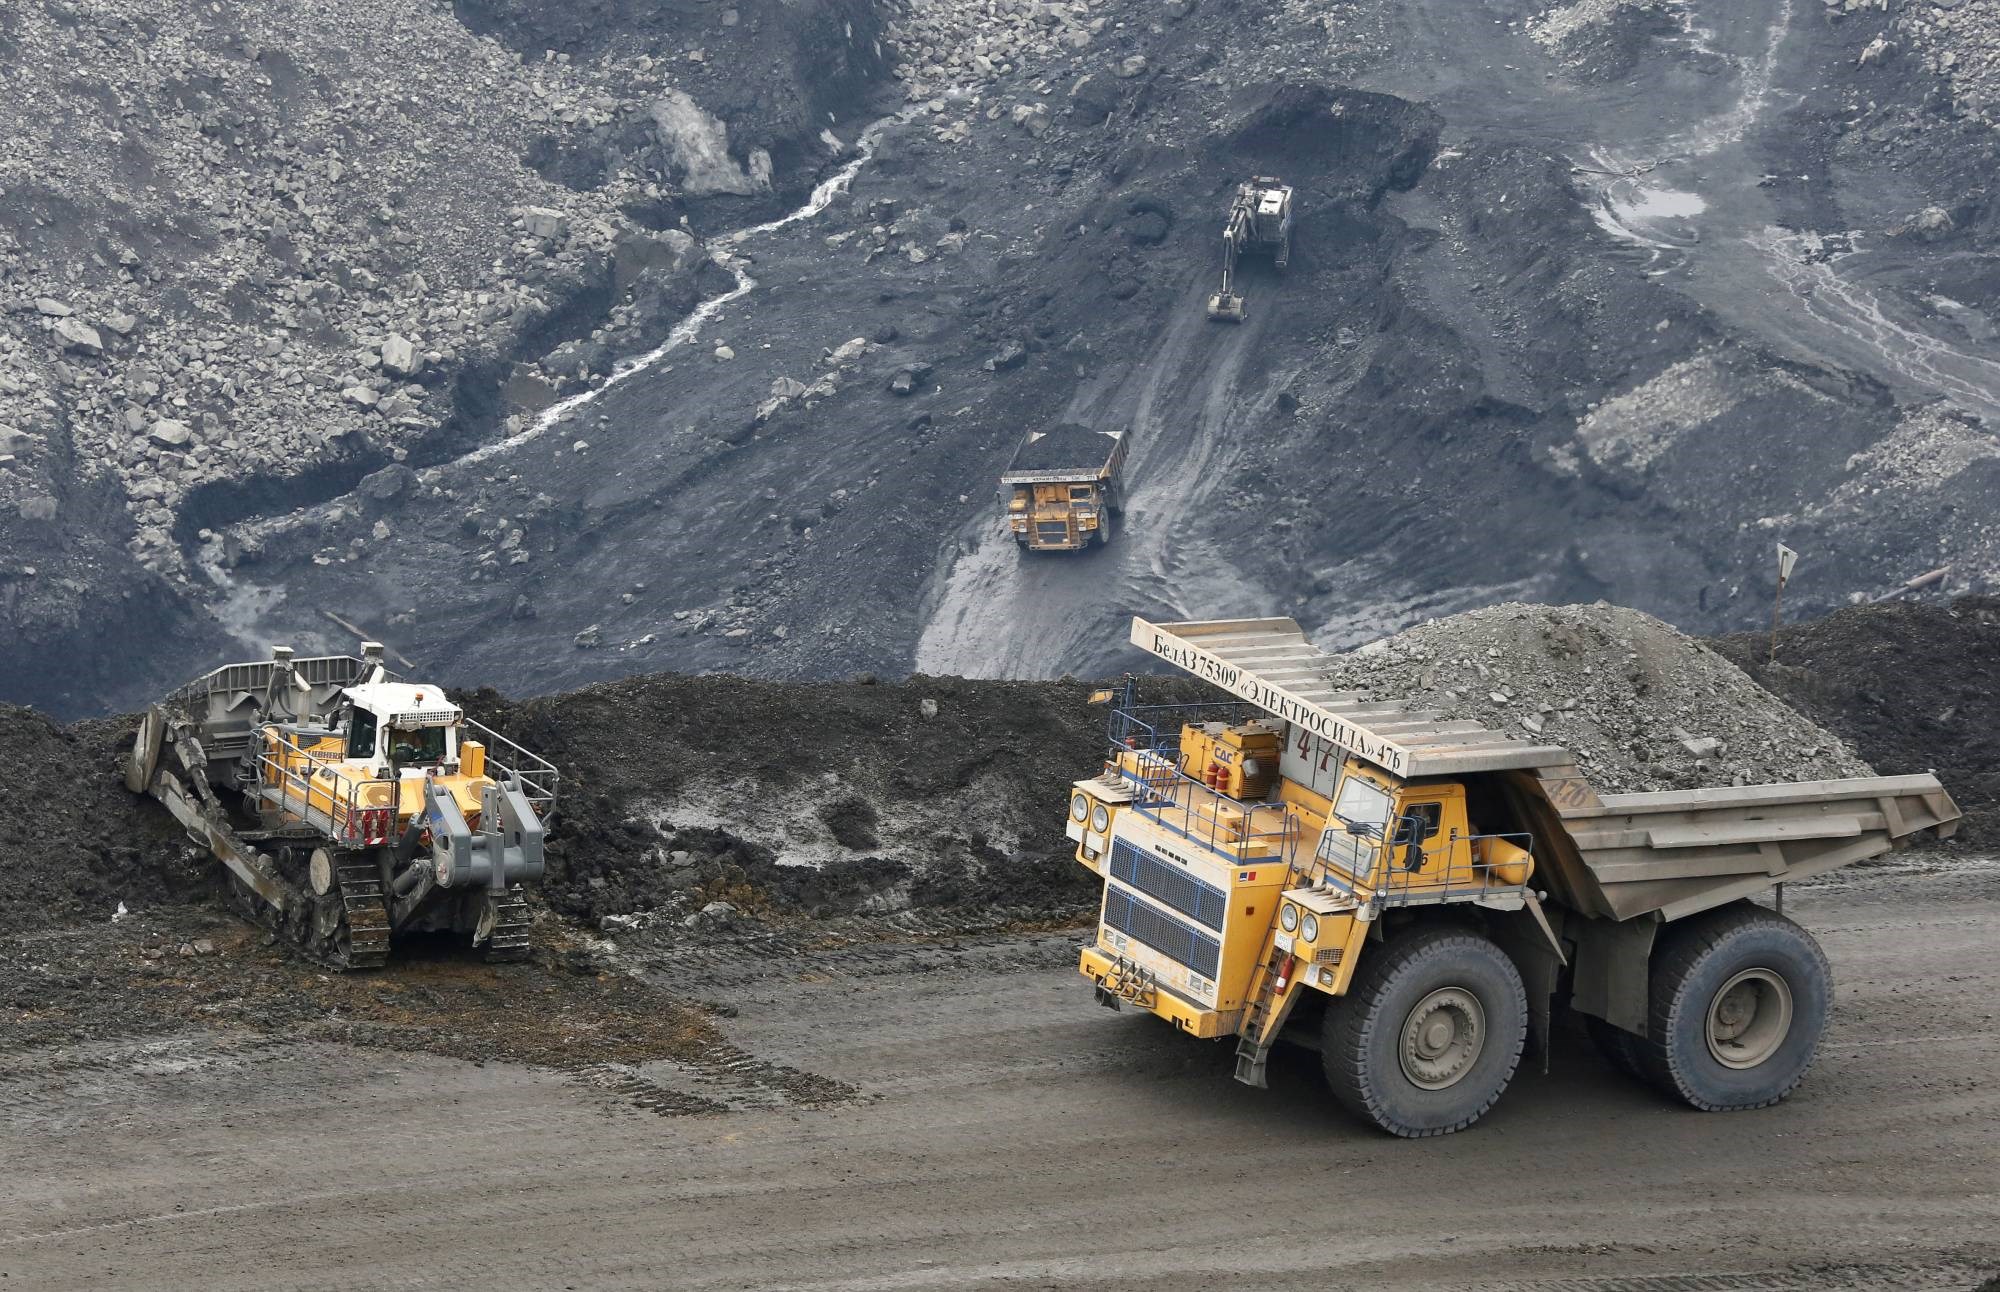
<point>1169,884</point>
<point>1162,932</point>
<point>1052,531</point>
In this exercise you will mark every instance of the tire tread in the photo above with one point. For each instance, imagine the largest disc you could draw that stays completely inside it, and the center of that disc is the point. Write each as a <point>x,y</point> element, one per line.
<point>1665,1005</point>
<point>1353,1016</point>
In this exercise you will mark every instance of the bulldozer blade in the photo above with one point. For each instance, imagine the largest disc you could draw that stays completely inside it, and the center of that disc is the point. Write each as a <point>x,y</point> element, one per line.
<point>1225,309</point>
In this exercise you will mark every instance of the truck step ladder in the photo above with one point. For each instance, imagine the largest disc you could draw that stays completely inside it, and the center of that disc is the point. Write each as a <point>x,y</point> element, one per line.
<point>1262,1020</point>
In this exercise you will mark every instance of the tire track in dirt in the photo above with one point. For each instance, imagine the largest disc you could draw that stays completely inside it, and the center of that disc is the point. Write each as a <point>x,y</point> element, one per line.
<point>1001,612</point>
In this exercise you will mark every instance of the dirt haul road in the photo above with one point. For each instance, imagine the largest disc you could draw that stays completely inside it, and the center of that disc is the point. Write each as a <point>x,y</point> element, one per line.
<point>1005,1131</point>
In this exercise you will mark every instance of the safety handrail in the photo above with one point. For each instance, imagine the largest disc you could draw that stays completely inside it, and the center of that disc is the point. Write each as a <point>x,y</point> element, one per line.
<point>321,792</point>
<point>538,776</point>
<point>1182,805</point>
<point>1384,882</point>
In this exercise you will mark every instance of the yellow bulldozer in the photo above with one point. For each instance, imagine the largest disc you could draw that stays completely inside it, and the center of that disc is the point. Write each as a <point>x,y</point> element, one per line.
<point>1415,897</point>
<point>349,806</point>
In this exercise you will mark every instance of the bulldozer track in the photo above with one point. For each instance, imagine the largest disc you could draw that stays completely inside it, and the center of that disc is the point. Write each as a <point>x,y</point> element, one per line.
<point>512,930</point>
<point>366,945</point>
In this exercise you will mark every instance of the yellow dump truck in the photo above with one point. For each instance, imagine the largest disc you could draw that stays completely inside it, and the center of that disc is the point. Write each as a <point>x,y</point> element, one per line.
<point>1418,896</point>
<point>349,806</point>
<point>1061,490</point>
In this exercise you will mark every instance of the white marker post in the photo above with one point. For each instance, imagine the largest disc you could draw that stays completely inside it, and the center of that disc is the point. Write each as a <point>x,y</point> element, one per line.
<point>1787,558</point>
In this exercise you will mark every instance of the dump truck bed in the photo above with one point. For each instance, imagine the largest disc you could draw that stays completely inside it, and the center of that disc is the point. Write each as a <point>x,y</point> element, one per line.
<point>1676,852</point>
<point>1064,453</point>
<point>1618,856</point>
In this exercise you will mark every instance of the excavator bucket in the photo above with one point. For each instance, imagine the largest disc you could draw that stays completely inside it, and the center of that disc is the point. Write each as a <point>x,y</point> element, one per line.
<point>1225,307</point>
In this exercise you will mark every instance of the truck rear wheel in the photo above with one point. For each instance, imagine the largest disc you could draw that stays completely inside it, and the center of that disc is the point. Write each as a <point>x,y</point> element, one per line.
<point>1428,1035</point>
<point>1739,1000</point>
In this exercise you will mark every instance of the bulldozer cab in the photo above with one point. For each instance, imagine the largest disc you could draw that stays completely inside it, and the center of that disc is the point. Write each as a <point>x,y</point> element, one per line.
<point>360,727</point>
<point>387,723</point>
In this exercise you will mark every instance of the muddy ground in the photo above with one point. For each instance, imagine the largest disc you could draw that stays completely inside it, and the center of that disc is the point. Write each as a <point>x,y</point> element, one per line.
<point>1557,321</point>
<point>951,1114</point>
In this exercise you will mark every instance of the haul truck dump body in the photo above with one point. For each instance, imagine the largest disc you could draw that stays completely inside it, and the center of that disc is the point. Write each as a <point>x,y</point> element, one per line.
<point>1439,887</point>
<point>350,806</point>
<point>1061,490</point>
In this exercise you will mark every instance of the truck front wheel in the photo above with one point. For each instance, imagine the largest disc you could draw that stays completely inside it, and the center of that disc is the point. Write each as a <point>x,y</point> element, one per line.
<point>1428,1035</point>
<point>1739,998</point>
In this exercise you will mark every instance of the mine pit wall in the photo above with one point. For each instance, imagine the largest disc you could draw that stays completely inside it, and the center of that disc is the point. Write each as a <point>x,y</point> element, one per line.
<point>75,579</point>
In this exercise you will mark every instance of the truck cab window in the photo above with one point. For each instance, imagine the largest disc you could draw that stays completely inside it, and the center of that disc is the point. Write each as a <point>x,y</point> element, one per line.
<point>361,734</point>
<point>1080,493</point>
<point>1420,821</point>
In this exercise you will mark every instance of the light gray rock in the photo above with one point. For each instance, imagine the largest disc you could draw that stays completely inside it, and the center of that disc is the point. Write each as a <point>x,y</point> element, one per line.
<point>399,355</point>
<point>79,336</point>
<point>50,307</point>
<point>170,433</point>
<point>542,222</point>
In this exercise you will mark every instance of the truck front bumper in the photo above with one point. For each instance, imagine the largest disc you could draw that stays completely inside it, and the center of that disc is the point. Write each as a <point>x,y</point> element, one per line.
<point>1117,985</point>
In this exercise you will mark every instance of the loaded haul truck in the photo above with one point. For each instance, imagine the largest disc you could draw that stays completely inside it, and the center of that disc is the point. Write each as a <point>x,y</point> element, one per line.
<point>1433,890</point>
<point>1061,490</point>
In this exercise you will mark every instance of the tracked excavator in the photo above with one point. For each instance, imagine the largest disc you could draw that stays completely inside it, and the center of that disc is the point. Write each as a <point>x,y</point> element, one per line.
<point>1259,219</point>
<point>350,807</point>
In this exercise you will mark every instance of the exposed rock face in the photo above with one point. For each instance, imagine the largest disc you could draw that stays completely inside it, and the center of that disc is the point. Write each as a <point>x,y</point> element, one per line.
<point>1959,42</point>
<point>698,145</point>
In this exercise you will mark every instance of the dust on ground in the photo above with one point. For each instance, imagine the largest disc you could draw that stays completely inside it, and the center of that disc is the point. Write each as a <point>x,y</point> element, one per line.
<point>175,969</point>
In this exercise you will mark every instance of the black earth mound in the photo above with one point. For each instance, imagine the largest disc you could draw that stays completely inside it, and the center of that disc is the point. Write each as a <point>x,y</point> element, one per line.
<point>1913,686</point>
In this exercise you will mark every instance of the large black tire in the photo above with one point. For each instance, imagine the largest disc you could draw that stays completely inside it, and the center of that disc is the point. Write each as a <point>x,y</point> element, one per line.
<point>1384,1044</point>
<point>1104,528</point>
<point>1739,999</point>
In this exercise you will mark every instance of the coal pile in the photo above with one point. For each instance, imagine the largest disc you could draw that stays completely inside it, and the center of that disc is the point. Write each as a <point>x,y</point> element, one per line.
<point>1911,684</point>
<point>74,844</point>
<point>816,798</point>
<point>1642,705</point>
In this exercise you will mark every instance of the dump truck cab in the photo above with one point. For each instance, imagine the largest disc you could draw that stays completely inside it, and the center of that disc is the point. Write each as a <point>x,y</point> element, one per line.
<point>1415,895</point>
<point>1061,489</point>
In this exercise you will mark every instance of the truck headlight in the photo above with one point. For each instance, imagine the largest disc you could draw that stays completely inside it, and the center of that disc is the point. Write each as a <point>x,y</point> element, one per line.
<point>1079,806</point>
<point>1309,927</point>
<point>1288,918</point>
<point>1100,817</point>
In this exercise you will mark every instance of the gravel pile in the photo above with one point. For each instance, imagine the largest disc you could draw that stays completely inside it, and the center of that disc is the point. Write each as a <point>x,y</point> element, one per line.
<point>1959,40</point>
<point>1643,706</point>
<point>262,238</point>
